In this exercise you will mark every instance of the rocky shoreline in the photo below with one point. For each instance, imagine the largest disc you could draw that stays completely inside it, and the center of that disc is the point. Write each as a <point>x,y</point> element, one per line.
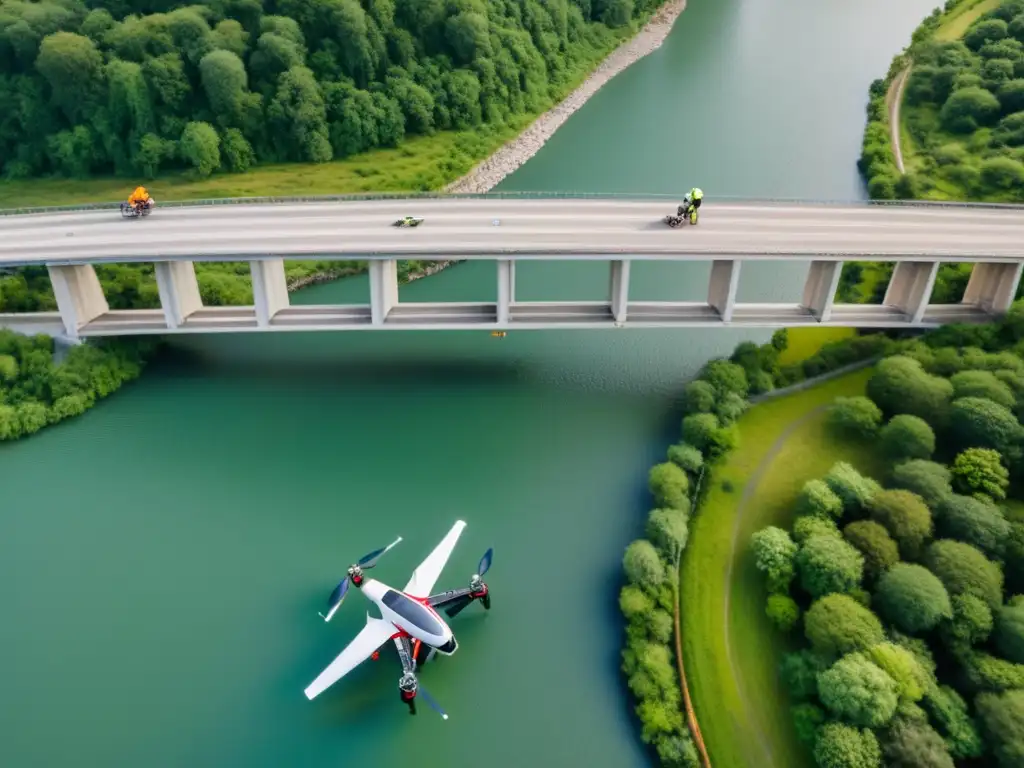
<point>515,153</point>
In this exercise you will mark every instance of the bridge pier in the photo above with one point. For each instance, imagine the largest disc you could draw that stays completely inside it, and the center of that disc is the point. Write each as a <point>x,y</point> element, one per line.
<point>910,288</point>
<point>725,279</point>
<point>820,288</point>
<point>79,296</point>
<point>383,289</point>
<point>269,289</point>
<point>618,290</point>
<point>179,290</point>
<point>992,286</point>
<point>506,289</point>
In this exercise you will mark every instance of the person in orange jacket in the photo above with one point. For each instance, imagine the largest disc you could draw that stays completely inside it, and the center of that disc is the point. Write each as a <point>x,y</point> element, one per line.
<point>140,195</point>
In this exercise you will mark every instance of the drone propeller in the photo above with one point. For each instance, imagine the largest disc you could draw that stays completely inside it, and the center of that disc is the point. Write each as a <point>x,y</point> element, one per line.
<point>485,563</point>
<point>476,583</point>
<point>354,571</point>
<point>433,704</point>
<point>370,560</point>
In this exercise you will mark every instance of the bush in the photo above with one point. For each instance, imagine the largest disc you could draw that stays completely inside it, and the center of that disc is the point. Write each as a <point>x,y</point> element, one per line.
<point>670,486</point>
<point>854,489</point>
<point>704,431</point>
<point>915,744</point>
<point>855,417</point>
<point>698,397</point>
<point>907,437</point>
<point>828,564</point>
<point>965,570</point>
<point>912,599</point>
<point>774,551</point>
<point>841,746</point>
<point>725,377</point>
<point>643,566</point>
<point>949,713</point>
<point>1002,173</point>
<point>807,719</point>
<point>973,521</point>
<point>1009,631</point>
<point>874,543</point>
<point>901,385</point>
<point>980,472</point>
<point>1002,716</point>
<point>981,384</point>
<point>972,620</point>
<point>837,624</point>
<point>906,517</point>
<point>686,457</point>
<point>799,672</point>
<point>911,678</point>
<point>858,691</point>
<point>783,611</point>
<point>806,526</point>
<point>816,498</point>
<point>980,423</point>
<point>926,479</point>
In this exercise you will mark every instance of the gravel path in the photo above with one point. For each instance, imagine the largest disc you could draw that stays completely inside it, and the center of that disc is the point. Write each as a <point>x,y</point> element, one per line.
<point>491,171</point>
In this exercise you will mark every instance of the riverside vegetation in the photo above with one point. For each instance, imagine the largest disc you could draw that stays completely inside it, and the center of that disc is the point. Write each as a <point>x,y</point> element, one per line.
<point>910,593</point>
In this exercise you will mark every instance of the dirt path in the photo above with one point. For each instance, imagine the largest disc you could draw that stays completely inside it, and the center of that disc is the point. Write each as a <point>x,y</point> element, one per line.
<point>894,99</point>
<point>748,494</point>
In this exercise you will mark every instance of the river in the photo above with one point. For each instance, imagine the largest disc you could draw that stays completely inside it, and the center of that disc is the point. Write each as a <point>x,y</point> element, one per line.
<point>164,556</point>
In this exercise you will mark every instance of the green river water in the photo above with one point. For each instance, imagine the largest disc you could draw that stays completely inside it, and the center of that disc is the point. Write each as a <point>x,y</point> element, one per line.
<point>164,556</point>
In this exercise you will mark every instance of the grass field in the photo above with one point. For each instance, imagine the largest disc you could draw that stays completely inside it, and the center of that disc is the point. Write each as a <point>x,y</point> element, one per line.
<point>805,341</point>
<point>419,164</point>
<point>744,716</point>
<point>954,25</point>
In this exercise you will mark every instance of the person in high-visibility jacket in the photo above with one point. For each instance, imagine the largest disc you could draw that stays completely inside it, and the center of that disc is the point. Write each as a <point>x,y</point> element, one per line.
<point>140,195</point>
<point>691,203</point>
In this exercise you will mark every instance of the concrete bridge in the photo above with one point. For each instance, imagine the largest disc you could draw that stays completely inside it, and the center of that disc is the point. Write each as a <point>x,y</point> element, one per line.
<point>918,237</point>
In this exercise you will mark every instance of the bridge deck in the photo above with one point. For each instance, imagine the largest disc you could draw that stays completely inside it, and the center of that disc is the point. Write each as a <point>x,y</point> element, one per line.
<point>520,229</point>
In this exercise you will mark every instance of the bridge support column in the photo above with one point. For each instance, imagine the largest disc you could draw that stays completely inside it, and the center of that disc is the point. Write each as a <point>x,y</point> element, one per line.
<point>179,291</point>
<point>820,288</point>
<point>269,289</point>
<point>992,286</point>
<point>79,296</point>
<point>618,290</point>
<point>910,288</point>
<point>725,279</point>
<point>383,288</point>
<point>506,289</point>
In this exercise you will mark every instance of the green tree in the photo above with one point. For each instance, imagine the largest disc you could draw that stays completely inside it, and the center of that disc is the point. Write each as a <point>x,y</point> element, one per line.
<point>873,542</point>
<point>828,564</point>
<point>799,671</point>
<point>968,109</point>
<point>642,565</point>
<point>837,624</point>
<point>1002,717</point>
<point>912,679</point>
<point>807,719</point>
<point>686,457</point>
<point>774,551</point>
<point>965,570</point>
<point>858,691</point>
<point>856,417</point>
<point>926,479</point>
<point>200,148</point>
<point>854,489</point>
<point>841,746</point>
<point>73,68</point>
<point>980,423</point>
<point>906,517</point>
<point>972,620</point>
<point>782,611</point>
<point>670,486</point>
<point>912,744</point>
<point>979,471</point>
<point>1002,173</point>
<point>725,377</point>
<point>704,431</point>
<point>981,384</point>
<point>816,498</point>
<point>698,397</point>
<point>911,598</point>
<point>976,522</point>
<point>299,115</point>
<point>224,81</point>
<point>1009,630</point>
<point>949,713</point>
<point>667,529</point>
<point>901,385</point>
<point>907,437</point>
<point>806,526</point>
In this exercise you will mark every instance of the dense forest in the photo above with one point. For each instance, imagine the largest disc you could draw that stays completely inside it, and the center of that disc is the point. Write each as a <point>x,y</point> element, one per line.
<point>963,113</point>
<point>133,87</point>
<point>910,592</point>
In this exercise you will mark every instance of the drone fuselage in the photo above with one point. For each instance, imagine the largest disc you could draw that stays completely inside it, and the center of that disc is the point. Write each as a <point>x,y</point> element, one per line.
<point>411,615</point>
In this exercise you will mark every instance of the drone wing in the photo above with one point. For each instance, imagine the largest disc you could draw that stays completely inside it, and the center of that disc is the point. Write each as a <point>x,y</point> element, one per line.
<point>428,572</point>
<point>370,638</point>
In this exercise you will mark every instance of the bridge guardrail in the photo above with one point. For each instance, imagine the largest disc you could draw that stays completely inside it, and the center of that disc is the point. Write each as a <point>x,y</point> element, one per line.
<point>413,196</point>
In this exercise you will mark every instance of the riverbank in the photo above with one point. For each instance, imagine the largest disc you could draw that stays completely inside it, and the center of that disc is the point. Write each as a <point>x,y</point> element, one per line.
<point>494,169</point>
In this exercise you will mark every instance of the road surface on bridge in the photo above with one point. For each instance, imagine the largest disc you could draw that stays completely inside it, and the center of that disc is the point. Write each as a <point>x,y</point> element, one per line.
<point>540,228</point>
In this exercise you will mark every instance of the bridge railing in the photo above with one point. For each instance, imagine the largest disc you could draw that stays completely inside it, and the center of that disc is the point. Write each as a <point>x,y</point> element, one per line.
<point>414,196</point>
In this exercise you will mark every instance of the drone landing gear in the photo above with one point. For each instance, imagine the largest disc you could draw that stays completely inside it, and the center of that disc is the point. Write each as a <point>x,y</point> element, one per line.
<point>407,691</point>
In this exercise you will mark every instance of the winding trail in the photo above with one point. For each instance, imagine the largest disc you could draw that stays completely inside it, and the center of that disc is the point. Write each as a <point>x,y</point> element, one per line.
<point>749,490</point>
<point>895,99</point>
